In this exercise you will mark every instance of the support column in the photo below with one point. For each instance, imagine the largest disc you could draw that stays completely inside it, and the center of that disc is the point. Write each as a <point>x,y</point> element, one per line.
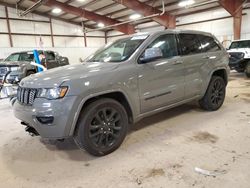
<point>237,24</point>
<point>106,37</point>
<point>85,37</point>
<point>8,26</point>
<point>51,33</point>
<point>234,7</point>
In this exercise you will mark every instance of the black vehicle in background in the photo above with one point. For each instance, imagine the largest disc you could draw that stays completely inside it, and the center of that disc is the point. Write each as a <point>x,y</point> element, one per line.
<point>19,64</point>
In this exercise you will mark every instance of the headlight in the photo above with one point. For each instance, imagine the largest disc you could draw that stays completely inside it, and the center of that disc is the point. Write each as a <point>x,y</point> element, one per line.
<point>15,68</point>
<point>53,93</point>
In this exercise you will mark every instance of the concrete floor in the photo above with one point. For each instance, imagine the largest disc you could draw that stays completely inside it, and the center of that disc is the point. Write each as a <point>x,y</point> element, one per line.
<point>161,151</point>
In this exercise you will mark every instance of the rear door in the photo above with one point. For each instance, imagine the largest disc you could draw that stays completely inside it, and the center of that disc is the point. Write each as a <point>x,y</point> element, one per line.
<point>194,60</point>
<point>161,81</point>
<point>210,46</point>
<point>51,61</point>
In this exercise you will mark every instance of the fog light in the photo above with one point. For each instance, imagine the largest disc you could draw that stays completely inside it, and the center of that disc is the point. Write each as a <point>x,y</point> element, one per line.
<point>45,120</point>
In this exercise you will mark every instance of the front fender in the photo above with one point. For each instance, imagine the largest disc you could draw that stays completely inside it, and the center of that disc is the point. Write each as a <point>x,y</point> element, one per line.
<point>81,101</point>
<point>205,85</point>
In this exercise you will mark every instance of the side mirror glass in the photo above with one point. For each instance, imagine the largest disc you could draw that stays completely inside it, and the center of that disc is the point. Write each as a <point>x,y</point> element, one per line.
<point>151,54</point>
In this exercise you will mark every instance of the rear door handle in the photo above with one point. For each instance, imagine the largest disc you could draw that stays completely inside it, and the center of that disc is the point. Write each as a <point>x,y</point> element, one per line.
<point>212,57</point>
<point>177,62</point>
<point>209,57</point>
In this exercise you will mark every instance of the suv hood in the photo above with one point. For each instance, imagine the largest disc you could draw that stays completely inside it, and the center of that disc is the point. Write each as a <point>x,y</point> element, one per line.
<point>55,77</point>
<point>14,63</point>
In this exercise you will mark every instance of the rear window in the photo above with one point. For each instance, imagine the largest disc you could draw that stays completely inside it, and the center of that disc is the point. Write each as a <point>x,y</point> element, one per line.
<point>190,44</point>
<point>240,44</point>
<point>208,44</point>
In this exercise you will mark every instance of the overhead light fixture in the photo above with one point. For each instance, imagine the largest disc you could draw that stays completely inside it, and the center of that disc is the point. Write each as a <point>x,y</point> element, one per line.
<point>134,16</point>
<point>100,25</point>
<point>186,3</point>
<point>81,1</point>
<point>57,10</point>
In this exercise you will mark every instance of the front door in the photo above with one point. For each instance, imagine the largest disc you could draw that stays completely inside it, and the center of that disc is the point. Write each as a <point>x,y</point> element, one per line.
<point>161,81</point>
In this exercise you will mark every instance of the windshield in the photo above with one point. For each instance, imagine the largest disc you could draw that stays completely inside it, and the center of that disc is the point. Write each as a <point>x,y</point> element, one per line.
<point>240,44</point>
<point>118,51</point>
<point>24,56</point>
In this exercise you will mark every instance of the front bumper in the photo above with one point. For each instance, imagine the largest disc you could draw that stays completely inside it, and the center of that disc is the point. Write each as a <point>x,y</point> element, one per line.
<point>237,63</point>
<point>62,111</point>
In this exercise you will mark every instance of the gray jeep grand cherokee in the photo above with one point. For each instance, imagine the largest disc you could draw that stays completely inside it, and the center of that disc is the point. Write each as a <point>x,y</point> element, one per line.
<point>95,102</point>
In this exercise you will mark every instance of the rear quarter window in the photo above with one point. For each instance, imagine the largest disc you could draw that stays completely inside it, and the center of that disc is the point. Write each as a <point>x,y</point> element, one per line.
<point>208,44</point>
<point>189,44</point>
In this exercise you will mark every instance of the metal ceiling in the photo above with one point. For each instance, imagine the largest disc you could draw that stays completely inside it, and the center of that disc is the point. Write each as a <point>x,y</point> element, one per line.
<point>111,9</point>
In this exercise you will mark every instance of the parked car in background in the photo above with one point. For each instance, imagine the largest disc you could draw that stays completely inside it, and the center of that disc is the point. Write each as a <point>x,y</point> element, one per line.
<point>134,77</point>
<point>20,64</point>
<point>239,55</point>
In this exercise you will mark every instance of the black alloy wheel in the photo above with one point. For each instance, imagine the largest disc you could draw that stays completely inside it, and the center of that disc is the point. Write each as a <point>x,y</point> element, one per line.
<point>102,127</point>
<point>215,94</point>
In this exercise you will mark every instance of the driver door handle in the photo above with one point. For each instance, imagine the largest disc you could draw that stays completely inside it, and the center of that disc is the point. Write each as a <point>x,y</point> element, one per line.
<point>177,62</point>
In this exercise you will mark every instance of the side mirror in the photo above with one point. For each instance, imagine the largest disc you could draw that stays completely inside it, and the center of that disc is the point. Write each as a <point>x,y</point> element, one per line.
<point>151,54</point>
<point>81,60</point>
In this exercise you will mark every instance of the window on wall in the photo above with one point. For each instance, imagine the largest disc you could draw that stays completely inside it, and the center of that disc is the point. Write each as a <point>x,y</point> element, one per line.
<point>208,44</point>
<point>190,44</point>
<point>167,44</point>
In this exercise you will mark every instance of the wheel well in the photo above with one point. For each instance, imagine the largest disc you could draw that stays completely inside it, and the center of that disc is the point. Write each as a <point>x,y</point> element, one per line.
<point>221,73</point>
<point>119,97</point>
<point>31,70</point>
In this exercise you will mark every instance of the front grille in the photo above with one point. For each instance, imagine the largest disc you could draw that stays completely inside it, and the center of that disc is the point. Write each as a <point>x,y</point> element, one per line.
<point>3,70</point>
<point>236,55</point>
<point>26,95</point>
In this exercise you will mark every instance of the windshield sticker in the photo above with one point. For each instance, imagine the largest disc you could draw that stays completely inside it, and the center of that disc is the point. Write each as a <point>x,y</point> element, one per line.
<point>139,37</point>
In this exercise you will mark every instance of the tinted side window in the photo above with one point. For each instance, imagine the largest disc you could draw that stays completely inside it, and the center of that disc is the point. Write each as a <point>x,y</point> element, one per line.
<point>190,44</point>
<point>167,44</point>
<point>208,44</point>
<point>26,57</point>
<point>50,56</point>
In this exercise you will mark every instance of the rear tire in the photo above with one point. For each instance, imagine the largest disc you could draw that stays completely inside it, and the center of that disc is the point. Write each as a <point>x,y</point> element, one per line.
<point>248,70</point>
<point>215,94</point>
<point>102,127</point>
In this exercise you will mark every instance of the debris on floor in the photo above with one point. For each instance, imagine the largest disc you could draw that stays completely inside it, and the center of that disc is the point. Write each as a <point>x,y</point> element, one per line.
<point>209,173</point>
<point>156,172</point>
<point>205,137</point>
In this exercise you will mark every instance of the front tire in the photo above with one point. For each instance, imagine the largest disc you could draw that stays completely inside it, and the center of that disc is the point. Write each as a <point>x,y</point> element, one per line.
<point>102,127</point>
<point>215,94</point>
<point>240,70</point>
<point>30,72</point>
<point>248,70</point>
